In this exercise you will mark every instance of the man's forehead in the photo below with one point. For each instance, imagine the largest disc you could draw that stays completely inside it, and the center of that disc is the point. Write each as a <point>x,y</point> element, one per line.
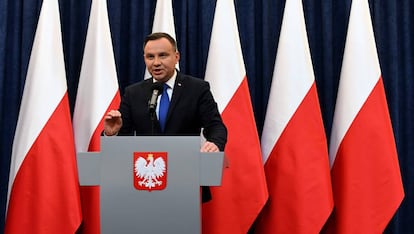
<point>159,45</point>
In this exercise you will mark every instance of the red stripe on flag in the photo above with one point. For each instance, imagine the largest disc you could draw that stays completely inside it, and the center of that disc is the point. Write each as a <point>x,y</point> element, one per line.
<point>238,201</point>
<point>298,174</point>
<point>366,174</point>
<point>45,193</point>
<point>90,195</point>
<point>95,142</point>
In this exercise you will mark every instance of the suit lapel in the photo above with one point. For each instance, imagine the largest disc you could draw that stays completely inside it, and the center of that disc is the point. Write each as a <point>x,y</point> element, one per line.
<point>177,93</point>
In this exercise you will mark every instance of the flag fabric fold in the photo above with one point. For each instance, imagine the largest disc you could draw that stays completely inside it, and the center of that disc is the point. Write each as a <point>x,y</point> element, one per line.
<point>43,195</point>
<point>237,202</point>
<point>366,177</point>
<point>163,22</point>
<point>294,145</point>
<point>97,93</point>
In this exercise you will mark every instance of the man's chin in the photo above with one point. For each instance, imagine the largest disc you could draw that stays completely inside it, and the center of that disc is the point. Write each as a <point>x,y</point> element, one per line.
<point>159,77</point>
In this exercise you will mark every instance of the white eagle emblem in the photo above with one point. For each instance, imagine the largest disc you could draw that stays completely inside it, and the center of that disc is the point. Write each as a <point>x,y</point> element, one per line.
<point>149,171</point>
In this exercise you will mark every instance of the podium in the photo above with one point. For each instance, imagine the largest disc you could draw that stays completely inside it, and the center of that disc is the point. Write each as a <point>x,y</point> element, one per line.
<point>163,199</point>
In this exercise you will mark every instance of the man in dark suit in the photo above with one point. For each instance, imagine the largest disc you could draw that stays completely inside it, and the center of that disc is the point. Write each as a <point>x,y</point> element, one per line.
<point>191,106</point>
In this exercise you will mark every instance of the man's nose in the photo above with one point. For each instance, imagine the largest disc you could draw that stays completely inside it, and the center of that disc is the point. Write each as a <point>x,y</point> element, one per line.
<point>157,60</point>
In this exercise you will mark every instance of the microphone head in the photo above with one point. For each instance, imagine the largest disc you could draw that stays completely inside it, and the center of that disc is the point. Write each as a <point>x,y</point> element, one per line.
<point>158,86</point>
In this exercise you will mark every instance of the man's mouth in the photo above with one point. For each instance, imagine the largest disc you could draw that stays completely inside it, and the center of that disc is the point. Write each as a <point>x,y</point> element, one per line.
<point>157,71</point>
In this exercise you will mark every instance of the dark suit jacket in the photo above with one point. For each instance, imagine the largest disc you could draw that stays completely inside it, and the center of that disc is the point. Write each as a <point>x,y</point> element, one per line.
<point>192,107</point>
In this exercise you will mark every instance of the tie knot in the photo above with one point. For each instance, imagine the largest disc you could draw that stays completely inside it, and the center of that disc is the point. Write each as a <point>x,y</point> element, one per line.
<point>165,90</point>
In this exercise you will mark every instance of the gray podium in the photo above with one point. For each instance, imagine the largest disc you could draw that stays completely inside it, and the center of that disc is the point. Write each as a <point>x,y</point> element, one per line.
<point>162,199</point>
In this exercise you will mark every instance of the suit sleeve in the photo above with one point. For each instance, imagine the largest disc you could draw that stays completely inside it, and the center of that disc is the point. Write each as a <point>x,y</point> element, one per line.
<point>125,109</point>
<point>214,129</point>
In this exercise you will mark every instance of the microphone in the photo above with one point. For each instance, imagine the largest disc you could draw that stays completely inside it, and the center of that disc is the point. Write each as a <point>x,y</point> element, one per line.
<point>156,90</point>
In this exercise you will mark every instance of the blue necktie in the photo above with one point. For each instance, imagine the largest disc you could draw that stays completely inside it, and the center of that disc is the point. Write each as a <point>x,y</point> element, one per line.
<point>164,104</point>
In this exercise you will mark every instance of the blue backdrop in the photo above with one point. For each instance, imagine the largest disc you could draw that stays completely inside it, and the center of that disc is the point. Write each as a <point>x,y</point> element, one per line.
<point>259,26</point>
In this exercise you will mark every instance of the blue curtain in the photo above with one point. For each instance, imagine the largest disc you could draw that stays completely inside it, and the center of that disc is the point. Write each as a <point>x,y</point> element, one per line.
<point>259,26</point>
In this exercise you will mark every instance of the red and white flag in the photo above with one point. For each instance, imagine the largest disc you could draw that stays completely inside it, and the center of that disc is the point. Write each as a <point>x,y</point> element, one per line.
<point>243,193</point>
<point>163,22</point>
<point>43,195</point>
<point>366,175</point>
<point>294,146</point>
<point>98,92</point>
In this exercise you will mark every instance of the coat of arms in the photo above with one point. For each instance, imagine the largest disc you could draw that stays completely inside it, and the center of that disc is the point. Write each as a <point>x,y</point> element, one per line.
<point>150,170</point>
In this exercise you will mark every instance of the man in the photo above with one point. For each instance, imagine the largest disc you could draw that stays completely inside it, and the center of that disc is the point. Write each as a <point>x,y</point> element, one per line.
<point>192,106</point>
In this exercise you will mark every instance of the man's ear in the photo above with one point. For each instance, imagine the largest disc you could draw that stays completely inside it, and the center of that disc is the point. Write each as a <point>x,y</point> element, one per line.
<point>177,56</point>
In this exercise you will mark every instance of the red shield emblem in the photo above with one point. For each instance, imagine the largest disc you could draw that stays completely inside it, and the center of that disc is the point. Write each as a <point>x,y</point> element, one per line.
<point>150,170</point>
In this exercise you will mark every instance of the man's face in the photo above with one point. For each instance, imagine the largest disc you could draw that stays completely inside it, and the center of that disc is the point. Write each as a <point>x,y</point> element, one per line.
<point>160,58</point>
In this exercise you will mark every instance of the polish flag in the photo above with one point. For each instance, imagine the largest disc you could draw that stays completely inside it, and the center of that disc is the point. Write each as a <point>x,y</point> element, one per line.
<point>366,176</point>
<point>294,146</point>
<point>163,22</point>
<point>43,195</point>
<point>243,193</point>
<point>98,92</point>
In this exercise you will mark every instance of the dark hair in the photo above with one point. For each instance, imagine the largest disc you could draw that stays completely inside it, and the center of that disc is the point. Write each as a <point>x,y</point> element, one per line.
<point>159,35</point>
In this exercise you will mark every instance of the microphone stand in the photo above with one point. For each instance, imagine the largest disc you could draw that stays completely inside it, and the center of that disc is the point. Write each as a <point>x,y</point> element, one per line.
<point>153,115</point>
<point>152,104</point>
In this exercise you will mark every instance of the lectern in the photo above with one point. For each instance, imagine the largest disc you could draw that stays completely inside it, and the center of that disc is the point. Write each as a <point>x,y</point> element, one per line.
<point>150,184</point>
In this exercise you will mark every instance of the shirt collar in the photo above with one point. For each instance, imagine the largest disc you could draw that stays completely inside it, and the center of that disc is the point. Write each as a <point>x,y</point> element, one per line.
<point>171,81</point>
